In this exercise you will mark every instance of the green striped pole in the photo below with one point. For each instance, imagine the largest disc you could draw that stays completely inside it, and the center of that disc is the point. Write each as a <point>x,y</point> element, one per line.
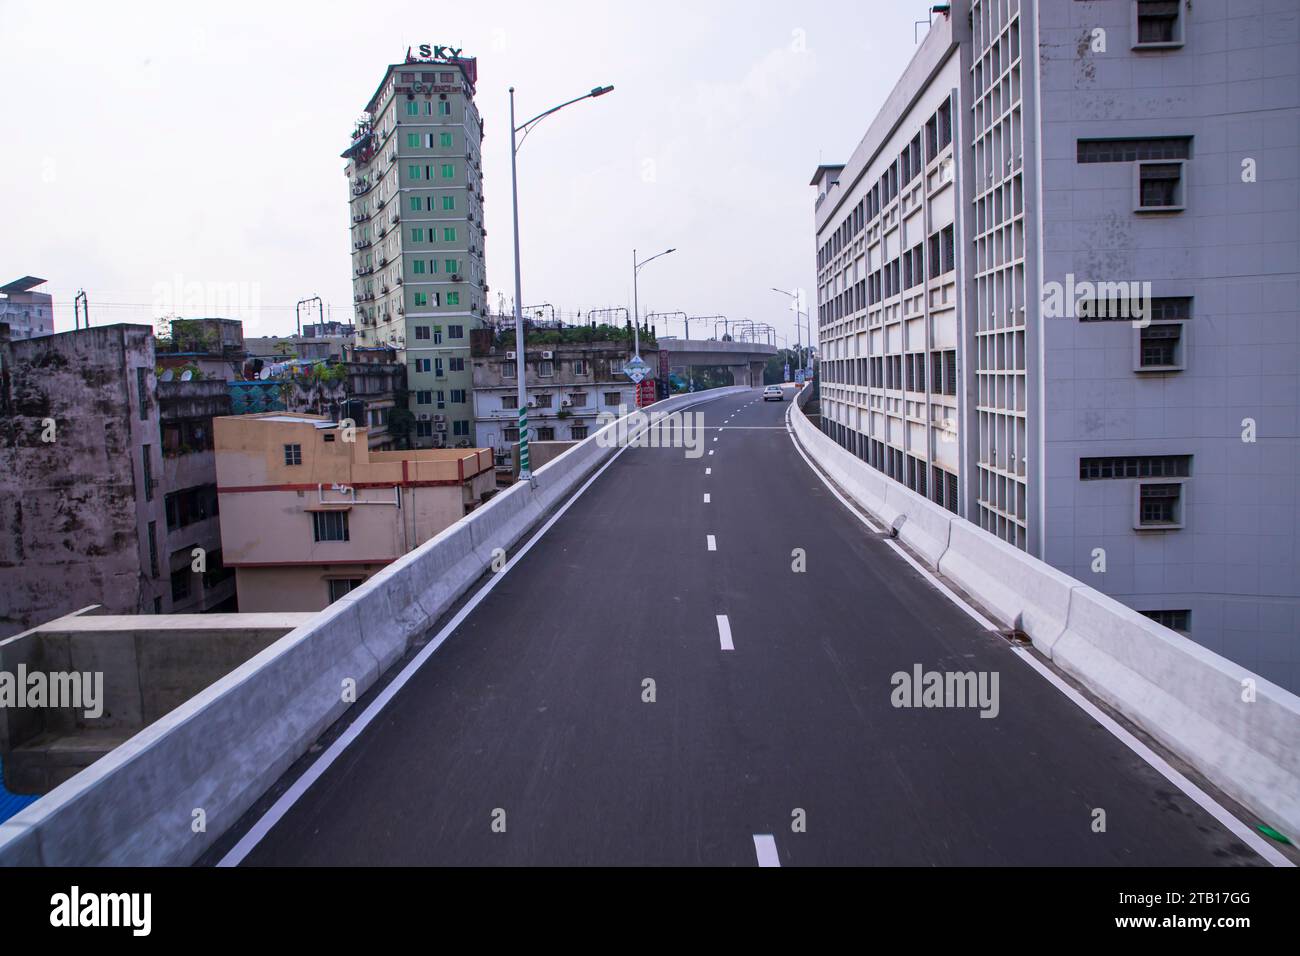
<point>525,473</point>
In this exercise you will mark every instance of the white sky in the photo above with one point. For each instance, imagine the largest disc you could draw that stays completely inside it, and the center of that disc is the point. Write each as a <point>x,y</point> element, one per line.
<point>162,154</point>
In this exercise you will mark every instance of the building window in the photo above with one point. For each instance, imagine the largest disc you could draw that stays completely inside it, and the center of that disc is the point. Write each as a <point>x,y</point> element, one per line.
<point>1158,23</point>
<point>453,298</point>
<point>449,235</point>
<point>510,403</point>
<point>146,458</point>
<point>1159,308</point>
<point>546,434</point>
<point>417,266</point>
<point>508,370</point>
<point>293,454</point>
<point>424,398</point>
<point>420,299</point>
<point>1159,505</point>
<point>412,108</point>
<point>580,367</point>
<point>444,140</point>
<point>448,171</point>
<point>456,364</point>
<point>417,235</point>
<point>578,399</point>
<point>1136,466</point>
<point>460,428</point>
<point>423,365</point>
<point>180,584</point>
<point>444,109</point>
<point>1159,186</point>
<point>451,266</point>
<point>1133,150</point>
<point>413,140</point>
<point>412,172</point>
<point>455,331</point>
<point>578,432</point>
<point>341,586</point>
<point>153,549</point>
<point>546,368</point>
<point>1174,620</point>
<point>424,429</point>
<point>510,434</point>
<point>543,400</point>
<point>458,396</point>
<point>437,367</point>
<point>1160,346</point>
<point>613,399</point>
<point>142,391</point>
<point>448,203</point>
<point>421,331</point>
<point>330,525</point>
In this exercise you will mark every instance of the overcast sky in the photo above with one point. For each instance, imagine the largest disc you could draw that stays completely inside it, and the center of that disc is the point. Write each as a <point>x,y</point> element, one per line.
<point>166,156</point>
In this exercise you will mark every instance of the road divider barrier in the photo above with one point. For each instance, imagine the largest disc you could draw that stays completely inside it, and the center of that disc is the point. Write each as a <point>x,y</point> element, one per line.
<point>165,795</point>
<point>1240,731</point>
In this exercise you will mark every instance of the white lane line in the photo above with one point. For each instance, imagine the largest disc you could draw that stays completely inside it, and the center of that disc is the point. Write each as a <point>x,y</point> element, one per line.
<point>1154,760</point>
<point>715,439</point>
<point>765,848</point>
<point>708,471</point>
<point>354,730</point>
<point>713,542</point>
<point>724,633</point>
<point>1198,796</point>
<point>707,499</point>
<point>710,451</point>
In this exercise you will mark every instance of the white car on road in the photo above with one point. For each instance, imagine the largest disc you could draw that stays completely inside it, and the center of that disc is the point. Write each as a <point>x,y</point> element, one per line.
<point>773,392</point>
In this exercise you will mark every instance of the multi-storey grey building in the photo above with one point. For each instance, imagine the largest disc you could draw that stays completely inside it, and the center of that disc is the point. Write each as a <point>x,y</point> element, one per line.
<point>415,180</point>
<point>1058,284</point>
<point>26,312</point>
<point>107,480</point>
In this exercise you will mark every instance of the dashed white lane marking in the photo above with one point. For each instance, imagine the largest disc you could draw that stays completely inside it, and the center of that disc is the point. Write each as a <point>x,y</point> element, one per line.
<point>707,499</point>
<point>710,451</point>
<point>713,543</point>
<point>715,439</point>
<point>1153,759</point>
<point>765,848</point>
<point>724,633</point>
<point>708,471</point>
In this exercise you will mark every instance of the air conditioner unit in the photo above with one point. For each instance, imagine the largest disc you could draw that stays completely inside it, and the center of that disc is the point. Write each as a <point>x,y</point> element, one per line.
<point>455,278</point>
<point>440,426</point>
<point>424,416</point>
<point>548,355</point>
<point>566,404</point>
<point>510,356</point>
<point>439,418</point>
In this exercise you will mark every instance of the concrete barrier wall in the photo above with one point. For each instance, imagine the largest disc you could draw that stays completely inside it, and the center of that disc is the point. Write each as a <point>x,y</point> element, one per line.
<point>1190,699</point>
<point>218,752</point>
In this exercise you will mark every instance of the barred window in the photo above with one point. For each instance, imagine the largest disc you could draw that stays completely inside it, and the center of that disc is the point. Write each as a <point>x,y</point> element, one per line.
<point>1136,466</point>
<point>1180,620</point>
<point>330,525</point>
<point>1131,150</point>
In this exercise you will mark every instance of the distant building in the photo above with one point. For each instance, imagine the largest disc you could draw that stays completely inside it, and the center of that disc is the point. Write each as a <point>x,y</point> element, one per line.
<point>27,313</point>
<point>569,384</point>
<point>332,329</point>
<point>107,480</point>
<point>205,348</point>
<point>307,514</point>
<point>415,186</point>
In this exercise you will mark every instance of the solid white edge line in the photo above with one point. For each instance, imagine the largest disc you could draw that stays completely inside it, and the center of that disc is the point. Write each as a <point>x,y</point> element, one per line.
<point>724,632</point>
<point>765,850</point>
<point>1194,793</point>
<point>322,763</point>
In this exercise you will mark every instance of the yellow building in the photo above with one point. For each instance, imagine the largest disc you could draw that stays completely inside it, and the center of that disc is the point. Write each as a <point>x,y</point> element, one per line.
<point>308,512</point>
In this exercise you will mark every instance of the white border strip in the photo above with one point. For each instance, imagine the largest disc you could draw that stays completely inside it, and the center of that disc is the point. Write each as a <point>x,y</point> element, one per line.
<point>1157,763</point>
<point>765,850</point>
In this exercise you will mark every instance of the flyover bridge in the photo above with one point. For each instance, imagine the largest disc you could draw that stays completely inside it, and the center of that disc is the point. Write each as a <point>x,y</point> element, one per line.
<point>694,659</point>
<point>745,360</point>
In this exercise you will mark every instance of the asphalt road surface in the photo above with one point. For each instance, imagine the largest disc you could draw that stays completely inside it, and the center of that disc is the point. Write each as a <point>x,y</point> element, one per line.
<point>532,714</point>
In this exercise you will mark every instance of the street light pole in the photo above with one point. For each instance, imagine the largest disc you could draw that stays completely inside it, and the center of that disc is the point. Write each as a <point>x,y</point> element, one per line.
<point>636,308</point>
<point>525,472</point>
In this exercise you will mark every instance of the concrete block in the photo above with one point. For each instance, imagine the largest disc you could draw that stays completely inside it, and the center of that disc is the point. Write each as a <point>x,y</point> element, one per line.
<point>1190,699</point>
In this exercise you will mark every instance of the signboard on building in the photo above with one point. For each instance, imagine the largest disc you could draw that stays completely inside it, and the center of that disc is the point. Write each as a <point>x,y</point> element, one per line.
<point>636,369</point>
<point>645,393</point>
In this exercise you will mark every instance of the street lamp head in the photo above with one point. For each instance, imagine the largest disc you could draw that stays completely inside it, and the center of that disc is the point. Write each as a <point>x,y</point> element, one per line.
<point>670,250</point>
<point>602,90</point>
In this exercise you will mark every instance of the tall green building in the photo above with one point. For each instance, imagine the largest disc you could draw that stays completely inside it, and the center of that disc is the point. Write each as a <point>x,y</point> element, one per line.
<point>415,186</point>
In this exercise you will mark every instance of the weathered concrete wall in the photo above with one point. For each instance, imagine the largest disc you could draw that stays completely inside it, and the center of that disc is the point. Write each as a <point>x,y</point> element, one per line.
<point>74,518</point>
